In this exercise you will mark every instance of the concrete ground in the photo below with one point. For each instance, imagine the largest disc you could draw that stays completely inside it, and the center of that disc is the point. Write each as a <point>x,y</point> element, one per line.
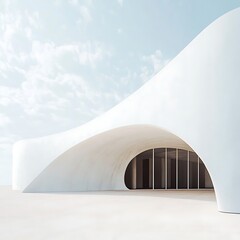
<point>139,214</point>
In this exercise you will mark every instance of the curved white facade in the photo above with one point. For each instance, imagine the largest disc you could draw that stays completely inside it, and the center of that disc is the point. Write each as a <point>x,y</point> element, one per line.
<point>193,103</point>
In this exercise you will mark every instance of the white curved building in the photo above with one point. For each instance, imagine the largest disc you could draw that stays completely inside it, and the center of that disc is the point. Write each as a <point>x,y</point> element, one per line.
<point>192,105</point>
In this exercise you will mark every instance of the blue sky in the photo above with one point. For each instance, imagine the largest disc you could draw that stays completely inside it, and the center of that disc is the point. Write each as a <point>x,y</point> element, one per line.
<point>63,62</point>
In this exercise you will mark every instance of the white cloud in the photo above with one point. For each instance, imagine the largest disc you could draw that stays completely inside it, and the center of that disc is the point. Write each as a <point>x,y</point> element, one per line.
<point>154,63</point>
<point>53,83</point>
<point>74,2</point>
<point>85,14</point>
<point>43,66</point>
<point>9,96</point>
<point>84,10</point>
<point>50,56</point>
<point>120,2</point>
<point>156,59</point>
<point>4,120</point>
<point>33,19</point>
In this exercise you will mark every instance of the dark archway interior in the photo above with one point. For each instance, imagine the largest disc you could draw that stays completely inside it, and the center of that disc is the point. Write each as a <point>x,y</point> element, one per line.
<point>167,168</point>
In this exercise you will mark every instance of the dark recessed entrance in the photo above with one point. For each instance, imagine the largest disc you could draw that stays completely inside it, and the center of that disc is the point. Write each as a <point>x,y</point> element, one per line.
<point>167,168</point>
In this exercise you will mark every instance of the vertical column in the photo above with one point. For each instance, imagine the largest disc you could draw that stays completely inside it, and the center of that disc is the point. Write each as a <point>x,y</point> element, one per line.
<point>188,170</point>
<point>198,172</point>
<point>134,173</point>
<point>166,168</point>
<point>153,168</point>
<point>176,168</point>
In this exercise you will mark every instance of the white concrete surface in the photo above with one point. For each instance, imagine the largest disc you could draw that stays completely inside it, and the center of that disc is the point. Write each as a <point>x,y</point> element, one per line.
<point>115,215</point>
<point>194,101</point>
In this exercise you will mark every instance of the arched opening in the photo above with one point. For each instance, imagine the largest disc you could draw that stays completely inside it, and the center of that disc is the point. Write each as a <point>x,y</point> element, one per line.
<point>167,168</point>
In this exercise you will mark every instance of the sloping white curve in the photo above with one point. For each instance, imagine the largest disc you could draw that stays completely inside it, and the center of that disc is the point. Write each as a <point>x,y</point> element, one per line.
<point>194,98</point>
<point>100,162</point>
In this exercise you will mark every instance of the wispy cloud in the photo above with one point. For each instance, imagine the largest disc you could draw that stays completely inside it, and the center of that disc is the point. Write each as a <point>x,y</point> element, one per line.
<point>153,63</point>
<point>85,14</point>
<point>120,2</point>
<point>4,120</point>
<point>84,8</point>
<point>53,79</point>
